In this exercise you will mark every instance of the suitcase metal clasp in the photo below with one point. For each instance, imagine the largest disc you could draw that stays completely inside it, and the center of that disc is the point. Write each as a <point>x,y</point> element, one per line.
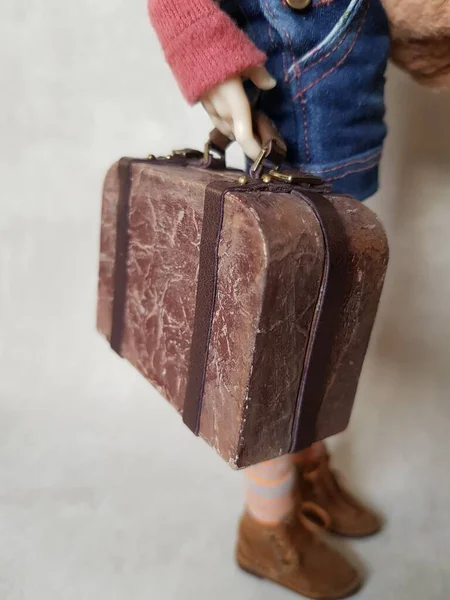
<point>293,177</point>
<point>188,153</point>
<point>289,176</point>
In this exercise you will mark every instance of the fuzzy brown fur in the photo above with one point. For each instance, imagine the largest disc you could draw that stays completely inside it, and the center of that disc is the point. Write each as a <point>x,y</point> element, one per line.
<point>420,32</point>
<point>419,18</point>
<point>427,60</point>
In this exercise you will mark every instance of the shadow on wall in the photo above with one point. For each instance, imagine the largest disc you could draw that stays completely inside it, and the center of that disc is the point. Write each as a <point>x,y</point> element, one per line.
<point>413,333</point>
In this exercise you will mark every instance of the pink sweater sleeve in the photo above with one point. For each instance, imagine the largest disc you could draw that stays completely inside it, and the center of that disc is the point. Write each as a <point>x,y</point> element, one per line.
<point>201,43</point>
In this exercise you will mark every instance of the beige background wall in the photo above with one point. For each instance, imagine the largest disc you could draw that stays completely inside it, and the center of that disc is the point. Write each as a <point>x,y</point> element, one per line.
<point>103,494</point>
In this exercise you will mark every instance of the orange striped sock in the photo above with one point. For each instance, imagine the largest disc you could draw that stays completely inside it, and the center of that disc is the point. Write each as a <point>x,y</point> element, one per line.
<point>269,490</point>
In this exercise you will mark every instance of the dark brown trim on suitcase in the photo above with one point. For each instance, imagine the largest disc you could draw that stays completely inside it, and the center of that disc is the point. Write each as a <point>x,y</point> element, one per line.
<point>334,291</point>
<point>120,270</point>
<point>205,302</point>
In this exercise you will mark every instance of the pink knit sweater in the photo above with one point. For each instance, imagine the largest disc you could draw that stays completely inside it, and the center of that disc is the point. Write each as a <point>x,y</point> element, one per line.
<point>204,47</point>
<point>201,43</point>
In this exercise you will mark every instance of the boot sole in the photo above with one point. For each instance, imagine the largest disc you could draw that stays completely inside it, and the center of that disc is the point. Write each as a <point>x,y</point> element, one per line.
<point>354,536</point>
<point>352,589</point>
<point>357,535</point>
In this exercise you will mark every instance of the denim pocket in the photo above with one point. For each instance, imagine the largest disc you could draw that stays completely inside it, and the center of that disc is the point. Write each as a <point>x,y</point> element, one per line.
<point>336,36</point>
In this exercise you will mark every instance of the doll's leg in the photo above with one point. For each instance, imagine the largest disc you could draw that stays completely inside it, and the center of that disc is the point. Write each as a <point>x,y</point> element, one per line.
<point>317,483</point>
<point>276,544</point>
<point>269,490</point>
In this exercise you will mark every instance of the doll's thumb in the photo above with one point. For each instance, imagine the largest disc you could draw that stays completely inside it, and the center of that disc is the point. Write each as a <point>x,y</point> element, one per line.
<point>261,78</point>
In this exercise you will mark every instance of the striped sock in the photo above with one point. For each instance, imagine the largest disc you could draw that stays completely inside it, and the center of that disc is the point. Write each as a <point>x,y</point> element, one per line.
<point>269,489</point>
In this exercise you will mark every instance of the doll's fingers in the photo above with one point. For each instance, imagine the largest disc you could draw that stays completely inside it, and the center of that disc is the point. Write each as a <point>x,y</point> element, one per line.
<point>222,104</point>
<point>224,122</point>
<point>250,147</point>
<point>244,136</point>
<point>209,107</point>
<point>261,77</point>
<point>223,127</point>
<point>242,122</point>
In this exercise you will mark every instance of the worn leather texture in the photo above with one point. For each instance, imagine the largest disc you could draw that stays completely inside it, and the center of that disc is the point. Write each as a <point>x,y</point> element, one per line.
<point>271,259</point>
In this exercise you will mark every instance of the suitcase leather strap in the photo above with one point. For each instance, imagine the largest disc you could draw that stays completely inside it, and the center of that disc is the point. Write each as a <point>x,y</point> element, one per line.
<point>121,256</point>
<point>334,291</point>
<point>205,302</point>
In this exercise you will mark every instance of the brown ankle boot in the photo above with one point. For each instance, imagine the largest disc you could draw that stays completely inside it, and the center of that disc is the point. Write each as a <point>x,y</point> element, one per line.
<point>318,486</point>
<point>295,557</point>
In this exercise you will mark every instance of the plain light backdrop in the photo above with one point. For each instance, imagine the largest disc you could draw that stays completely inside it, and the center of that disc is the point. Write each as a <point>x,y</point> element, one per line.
<point>103,494</point>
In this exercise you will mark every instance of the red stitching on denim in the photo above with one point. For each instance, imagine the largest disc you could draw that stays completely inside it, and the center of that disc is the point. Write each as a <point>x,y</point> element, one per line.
<point>270,33</point>
<point>289,43</point>
<point>297,75</point>
<point>296,71</point>
<point>323,2</point>
<point>291,49</point>
<point>351,172</point>
<point>294,63</point>
<point>332,51</point>
<point>283,58</point>
<point>339,63</point>
<point>355,161</point>
<point>305,127</point>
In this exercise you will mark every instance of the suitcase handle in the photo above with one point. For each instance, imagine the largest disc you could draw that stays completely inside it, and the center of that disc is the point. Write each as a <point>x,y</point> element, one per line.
<point>274,148</point>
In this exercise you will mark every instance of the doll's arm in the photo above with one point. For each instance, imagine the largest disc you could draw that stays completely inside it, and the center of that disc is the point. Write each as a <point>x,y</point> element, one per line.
<point>202,45</point>
<point>210,56</point>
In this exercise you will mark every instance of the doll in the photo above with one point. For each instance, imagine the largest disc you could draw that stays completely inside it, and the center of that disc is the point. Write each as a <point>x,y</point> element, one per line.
<point>320,65</point>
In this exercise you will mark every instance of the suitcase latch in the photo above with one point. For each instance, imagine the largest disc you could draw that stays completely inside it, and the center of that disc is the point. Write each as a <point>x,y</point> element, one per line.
<point>289,176</point>
<point>188,153</point>
<point>292,177</point>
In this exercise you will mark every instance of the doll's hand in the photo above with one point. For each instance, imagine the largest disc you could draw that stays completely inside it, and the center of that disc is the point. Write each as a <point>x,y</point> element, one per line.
<point>229,108</point>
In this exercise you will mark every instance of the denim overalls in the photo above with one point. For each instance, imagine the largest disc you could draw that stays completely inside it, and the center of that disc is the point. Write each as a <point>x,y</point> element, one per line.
<point>329,61</point>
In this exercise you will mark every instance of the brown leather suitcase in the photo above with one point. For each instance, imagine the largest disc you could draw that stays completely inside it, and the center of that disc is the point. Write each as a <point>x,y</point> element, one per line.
<point>249,306</point>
